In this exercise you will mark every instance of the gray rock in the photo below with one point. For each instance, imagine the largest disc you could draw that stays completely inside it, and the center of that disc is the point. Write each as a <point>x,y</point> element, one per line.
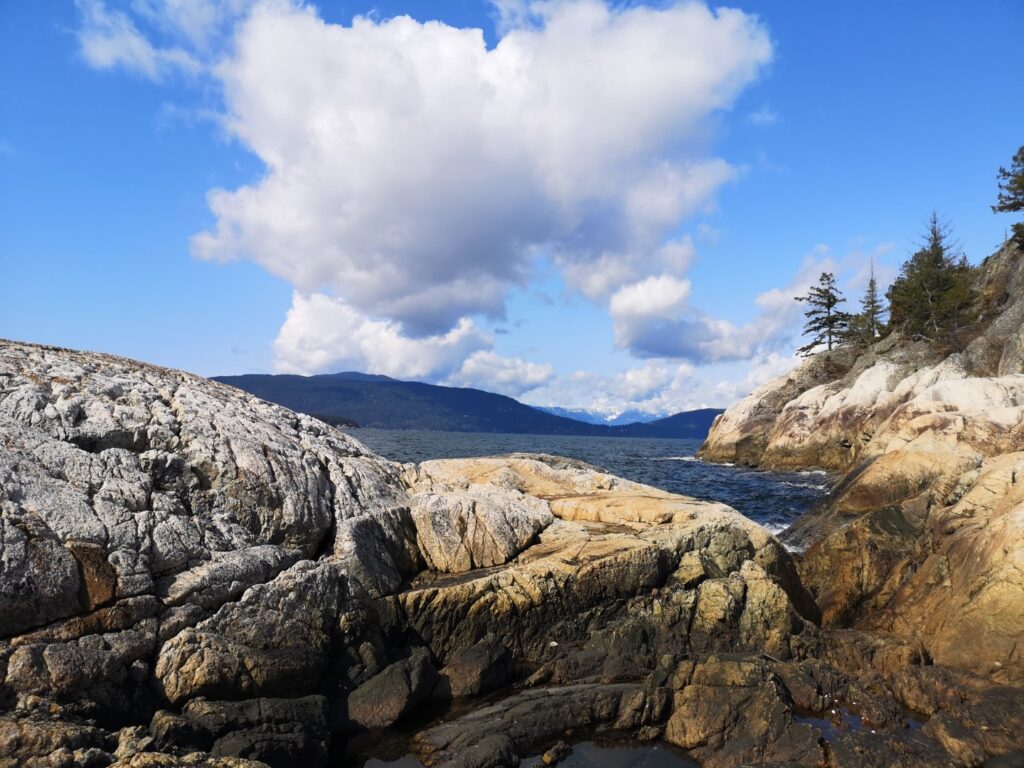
<point>273,642</point>
<point>476,528</point>
<point>377,551</point>
<point>156,471</point>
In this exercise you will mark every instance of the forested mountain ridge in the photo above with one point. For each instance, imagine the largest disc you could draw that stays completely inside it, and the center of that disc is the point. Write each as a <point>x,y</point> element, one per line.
<point>385,403</point>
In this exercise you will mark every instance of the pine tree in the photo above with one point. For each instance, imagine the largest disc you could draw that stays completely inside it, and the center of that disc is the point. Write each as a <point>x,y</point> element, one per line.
<point>825,323</point>
<point>933,293</point>
<point>866,326</point>
<point>1011,192</point>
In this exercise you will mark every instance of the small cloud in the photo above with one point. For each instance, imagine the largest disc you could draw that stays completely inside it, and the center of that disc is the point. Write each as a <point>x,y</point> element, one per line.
<point>508,375</point>
<point>171,116</point>
<point>7,149</point>
<point>767,165</point>
<point>764,116</point>
<point>501,331</point>
<point>110,39</point>
<point>708,235</point>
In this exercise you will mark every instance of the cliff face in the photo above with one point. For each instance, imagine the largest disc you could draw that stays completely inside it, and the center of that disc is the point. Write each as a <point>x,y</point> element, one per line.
<point>924,533</point>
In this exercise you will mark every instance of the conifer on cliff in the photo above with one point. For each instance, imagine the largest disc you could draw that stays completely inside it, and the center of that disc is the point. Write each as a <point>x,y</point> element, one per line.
<point>1011,192</point>
<point>826,324</point>
<point>867,325</point>
<point>932,295</point>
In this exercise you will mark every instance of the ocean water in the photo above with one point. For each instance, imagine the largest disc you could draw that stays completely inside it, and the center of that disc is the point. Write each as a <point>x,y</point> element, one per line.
<point>774,499</point>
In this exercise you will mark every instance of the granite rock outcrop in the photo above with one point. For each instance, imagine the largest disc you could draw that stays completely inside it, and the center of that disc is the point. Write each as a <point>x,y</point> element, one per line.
<point>191,576</point>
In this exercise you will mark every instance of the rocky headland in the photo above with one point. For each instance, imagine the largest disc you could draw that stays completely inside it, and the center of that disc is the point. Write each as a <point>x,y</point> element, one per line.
<point>192,576</point>
<point>923,535</point>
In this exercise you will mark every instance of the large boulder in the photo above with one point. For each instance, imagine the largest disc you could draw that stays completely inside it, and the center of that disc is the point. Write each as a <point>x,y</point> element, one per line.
<point>477,670</point>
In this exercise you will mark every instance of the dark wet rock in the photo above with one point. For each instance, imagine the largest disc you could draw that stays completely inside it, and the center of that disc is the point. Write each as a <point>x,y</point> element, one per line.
<point>497,734</point>
<point>730,711</point>
<point>902,749</point>
<point>1013,759</point>
<point>482,668</point>
<point>192,760</point>
<point>279,732</point>
<point>393,693</point>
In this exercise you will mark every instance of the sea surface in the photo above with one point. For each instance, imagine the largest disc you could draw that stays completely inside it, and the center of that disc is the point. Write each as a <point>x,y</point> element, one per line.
<point>774,499</point>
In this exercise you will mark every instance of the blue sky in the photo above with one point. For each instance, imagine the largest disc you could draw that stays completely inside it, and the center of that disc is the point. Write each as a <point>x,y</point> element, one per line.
<point>500,223</point>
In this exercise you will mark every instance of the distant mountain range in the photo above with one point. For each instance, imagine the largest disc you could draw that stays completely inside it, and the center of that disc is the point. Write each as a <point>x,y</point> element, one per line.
<point>597,417</point>
<point>349,399</point>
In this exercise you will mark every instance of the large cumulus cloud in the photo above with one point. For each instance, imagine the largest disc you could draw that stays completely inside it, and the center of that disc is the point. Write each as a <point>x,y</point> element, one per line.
<point>414,175</point>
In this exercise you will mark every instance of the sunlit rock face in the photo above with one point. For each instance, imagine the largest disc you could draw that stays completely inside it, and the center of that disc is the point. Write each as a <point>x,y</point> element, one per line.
<point>924,534</point>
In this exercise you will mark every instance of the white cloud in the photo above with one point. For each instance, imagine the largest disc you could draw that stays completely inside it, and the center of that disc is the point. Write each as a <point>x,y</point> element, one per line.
<point>653,297</point>
<point>658,387</point>
<point>662,387</point>
<point>413,175</point>
<point>200,24</point>
<point>654,319</point>
<point>638,384</point>
<point>110,39</point>
<point>414,172</point>
<point>322,333</point>
<point>495,373</point>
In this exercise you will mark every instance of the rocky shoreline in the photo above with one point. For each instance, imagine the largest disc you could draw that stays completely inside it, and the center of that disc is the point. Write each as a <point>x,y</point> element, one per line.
<point>192,576</point>
<point>924,534</point>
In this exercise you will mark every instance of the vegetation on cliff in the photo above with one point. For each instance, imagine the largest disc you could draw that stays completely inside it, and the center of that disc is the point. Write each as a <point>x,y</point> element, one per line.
<point>826,324</point>
<point>935,298</point>
<point>1011,192</point>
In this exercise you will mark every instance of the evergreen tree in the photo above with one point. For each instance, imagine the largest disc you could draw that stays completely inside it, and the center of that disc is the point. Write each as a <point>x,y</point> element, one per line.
<point>825,323</point>
<point>1011,192</point>
<point>866,326</point>
<point>933,293</point>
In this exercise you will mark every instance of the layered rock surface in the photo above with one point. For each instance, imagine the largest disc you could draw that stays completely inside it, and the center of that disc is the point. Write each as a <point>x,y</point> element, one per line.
<point>924,532</point>
<point>190,576</point>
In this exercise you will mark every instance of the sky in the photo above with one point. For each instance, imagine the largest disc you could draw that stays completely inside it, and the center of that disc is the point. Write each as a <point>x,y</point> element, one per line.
<point>579,204</point>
